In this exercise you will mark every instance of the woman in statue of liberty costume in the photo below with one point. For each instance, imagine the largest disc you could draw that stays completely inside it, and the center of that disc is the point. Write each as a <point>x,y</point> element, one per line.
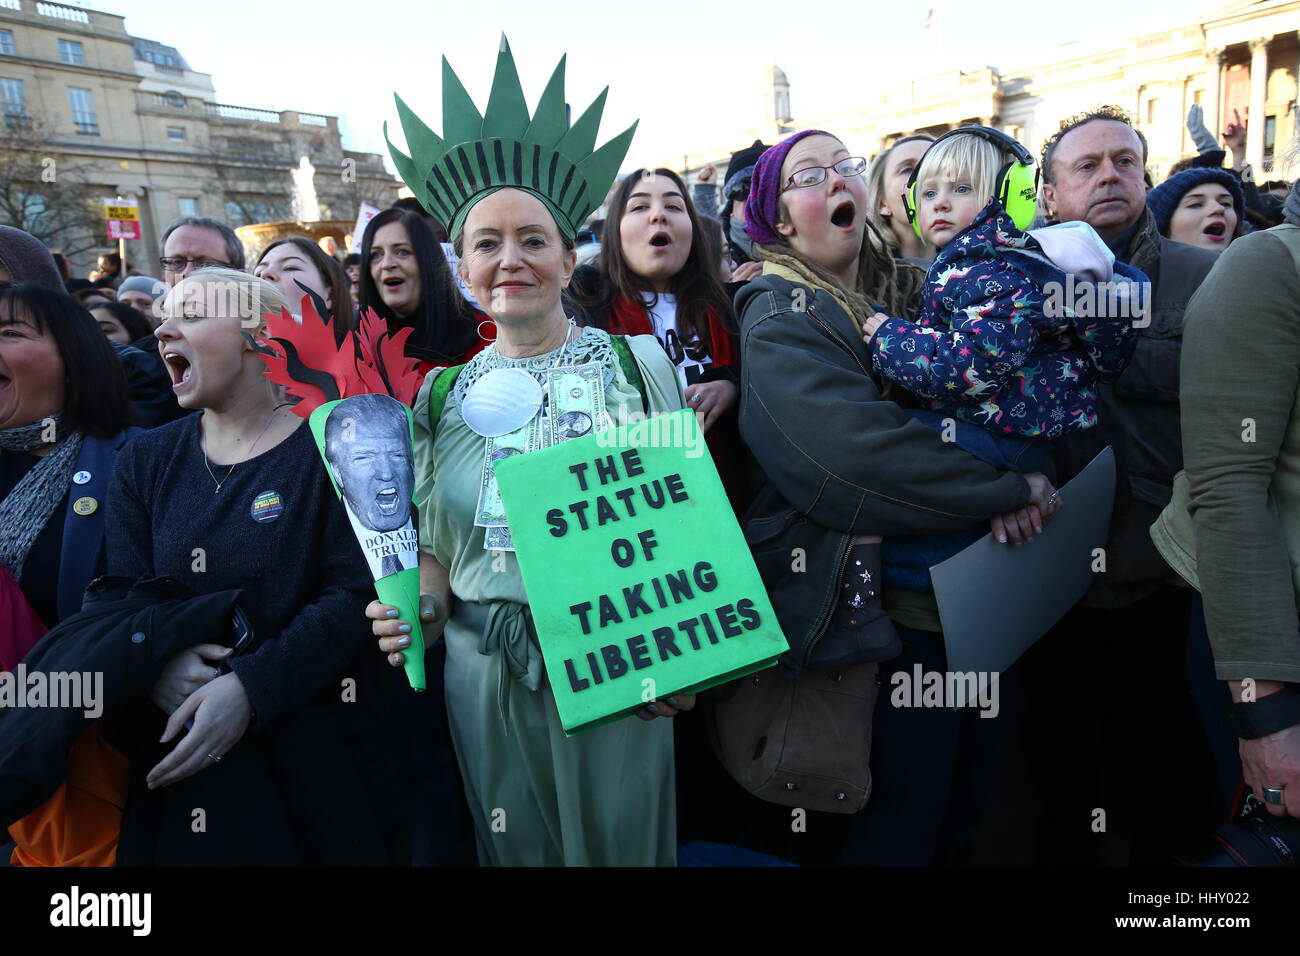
<point>514,189</point>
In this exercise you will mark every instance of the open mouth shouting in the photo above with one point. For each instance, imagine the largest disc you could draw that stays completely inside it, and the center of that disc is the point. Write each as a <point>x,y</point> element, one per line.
<point>386,501</point>
<point>178,367</point>
<point>843,216</point>
<point>1216,231</point>
<point>661,240</point>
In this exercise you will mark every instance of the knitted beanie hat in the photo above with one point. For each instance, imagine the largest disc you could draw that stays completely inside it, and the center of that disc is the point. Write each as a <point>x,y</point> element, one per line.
<point>765,189</point>
<point>147,284</point>
<point>741,169</point>
<point>26,259</point>
<point>1164,199</point>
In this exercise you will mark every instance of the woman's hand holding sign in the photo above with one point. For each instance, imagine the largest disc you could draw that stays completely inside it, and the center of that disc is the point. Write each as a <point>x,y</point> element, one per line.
<point>668,707</point>
<point>1019,527</point>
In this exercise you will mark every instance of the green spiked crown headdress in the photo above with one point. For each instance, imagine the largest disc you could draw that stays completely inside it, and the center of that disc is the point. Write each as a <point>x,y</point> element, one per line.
<point>504,147</point>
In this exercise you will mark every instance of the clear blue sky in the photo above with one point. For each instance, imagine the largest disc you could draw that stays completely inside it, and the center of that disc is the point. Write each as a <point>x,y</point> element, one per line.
<point>691,74</point>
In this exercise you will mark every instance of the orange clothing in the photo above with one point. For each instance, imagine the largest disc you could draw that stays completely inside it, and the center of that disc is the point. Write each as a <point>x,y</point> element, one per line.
<point>80,823</point>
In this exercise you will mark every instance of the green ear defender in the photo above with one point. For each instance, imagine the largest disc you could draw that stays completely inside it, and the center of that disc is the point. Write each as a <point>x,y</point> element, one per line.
<point>1016,186</point>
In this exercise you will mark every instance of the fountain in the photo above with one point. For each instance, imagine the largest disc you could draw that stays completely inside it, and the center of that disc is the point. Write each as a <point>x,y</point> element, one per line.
<point>306,207</point>
<point>307,221</point>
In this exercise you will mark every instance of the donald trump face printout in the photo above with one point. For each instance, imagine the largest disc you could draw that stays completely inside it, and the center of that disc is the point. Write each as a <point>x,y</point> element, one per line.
<point>368,447</point>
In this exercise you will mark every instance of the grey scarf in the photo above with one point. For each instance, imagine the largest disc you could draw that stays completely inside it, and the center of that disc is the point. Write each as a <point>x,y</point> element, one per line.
<point>1291,208</point>
<point>26,509</point>
<point>740,239</point>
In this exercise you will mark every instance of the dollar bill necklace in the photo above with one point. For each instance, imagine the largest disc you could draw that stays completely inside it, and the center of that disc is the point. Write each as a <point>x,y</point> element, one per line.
<point>519,410</point>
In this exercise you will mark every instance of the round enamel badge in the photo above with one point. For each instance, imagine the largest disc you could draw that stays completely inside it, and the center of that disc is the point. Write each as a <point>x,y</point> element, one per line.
<point>267,506</point>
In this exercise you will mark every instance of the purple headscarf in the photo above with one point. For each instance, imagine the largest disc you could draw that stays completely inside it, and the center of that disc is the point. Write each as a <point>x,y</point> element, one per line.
<point>765,189</point>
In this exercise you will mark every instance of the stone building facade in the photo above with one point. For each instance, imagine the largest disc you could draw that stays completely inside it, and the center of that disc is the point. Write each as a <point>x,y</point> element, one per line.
<point>1245,56</point>
<point>132,119</point>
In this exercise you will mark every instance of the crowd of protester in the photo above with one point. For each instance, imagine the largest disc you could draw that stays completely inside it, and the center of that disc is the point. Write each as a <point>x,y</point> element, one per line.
<point>825,315</point>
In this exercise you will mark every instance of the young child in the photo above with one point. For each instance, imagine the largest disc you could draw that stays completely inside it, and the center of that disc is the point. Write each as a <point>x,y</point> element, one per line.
<point>1010,338</point>
<point>1015,331</point>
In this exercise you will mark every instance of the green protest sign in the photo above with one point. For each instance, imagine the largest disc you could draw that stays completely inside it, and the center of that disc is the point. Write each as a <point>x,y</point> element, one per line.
<point>639,579</point>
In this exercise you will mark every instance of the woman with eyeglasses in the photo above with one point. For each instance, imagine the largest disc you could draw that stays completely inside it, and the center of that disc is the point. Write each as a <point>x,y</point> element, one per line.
<point>840,464</point>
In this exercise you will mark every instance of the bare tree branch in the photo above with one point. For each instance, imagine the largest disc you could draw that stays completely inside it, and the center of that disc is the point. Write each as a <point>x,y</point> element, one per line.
<point>45,192</point>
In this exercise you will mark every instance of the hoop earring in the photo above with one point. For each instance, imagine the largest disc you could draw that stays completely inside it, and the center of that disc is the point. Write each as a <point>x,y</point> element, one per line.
<point>479,330</point>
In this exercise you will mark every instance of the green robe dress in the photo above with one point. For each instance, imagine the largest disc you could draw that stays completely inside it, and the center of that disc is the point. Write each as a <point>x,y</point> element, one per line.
<point>603,797</point>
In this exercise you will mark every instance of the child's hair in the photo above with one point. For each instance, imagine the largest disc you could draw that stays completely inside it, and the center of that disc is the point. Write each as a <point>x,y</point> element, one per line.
<point>971,159</point>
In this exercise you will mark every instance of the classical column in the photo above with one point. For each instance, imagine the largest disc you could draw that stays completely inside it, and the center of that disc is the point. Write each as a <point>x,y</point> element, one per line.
<point>1213,90</point>
<point>1258,97</point>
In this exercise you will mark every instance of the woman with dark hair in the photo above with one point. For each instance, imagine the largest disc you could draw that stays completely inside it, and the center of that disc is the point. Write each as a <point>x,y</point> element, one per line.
<point>838,462</point>
<point>352,269</point>
<point>120,323</point>
<point>405,279</point>
<point>64,416</point>
<point>297,267</point>
<point>656,276</point>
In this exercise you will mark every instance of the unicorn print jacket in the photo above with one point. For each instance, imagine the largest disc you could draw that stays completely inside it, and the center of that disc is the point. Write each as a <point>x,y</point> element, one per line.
<point>1007,339</point>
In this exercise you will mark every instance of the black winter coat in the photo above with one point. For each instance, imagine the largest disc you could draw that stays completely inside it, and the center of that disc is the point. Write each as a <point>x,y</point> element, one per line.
<point>124,632</point>
<point>315,787</point>
<point>1138,415</point>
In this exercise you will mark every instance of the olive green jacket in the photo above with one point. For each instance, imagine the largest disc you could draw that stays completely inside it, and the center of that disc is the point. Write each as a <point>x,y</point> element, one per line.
<point>1232,528</point>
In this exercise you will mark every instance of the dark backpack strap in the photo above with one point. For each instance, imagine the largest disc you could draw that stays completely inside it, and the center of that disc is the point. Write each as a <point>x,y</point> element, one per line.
<point>631,371</point>
<point>438,395</point>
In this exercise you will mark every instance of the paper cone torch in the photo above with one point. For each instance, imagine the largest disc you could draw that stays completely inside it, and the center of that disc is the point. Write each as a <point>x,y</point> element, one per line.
<point>365,441</point>
<point>356,396</point>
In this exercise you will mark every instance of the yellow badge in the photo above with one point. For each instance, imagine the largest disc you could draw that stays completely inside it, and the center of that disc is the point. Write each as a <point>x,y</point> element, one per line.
<point>85,506</point>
